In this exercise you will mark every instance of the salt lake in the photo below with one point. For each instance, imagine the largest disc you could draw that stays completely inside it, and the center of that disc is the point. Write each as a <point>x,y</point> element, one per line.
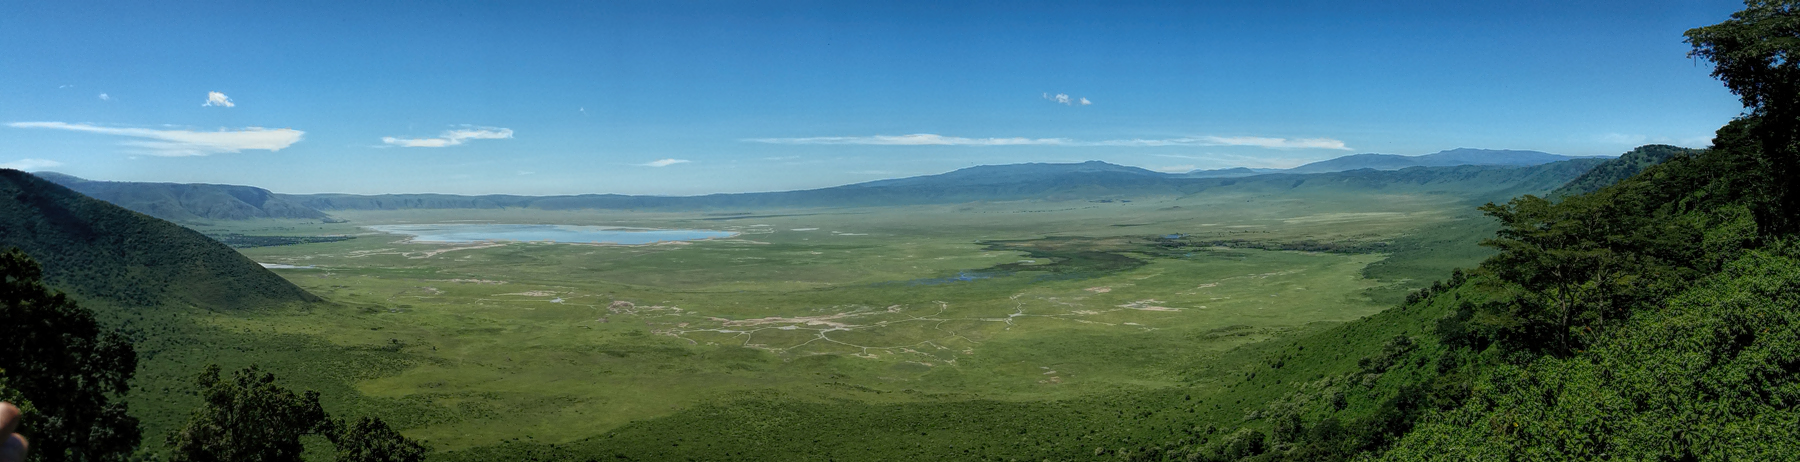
<point>574,234</point>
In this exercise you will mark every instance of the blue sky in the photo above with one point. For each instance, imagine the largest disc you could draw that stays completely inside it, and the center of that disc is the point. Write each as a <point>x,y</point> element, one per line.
<point>673,97</point>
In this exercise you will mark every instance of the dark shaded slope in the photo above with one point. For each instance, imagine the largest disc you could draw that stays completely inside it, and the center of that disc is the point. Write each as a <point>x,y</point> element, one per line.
<point>1616,170</point>
<point>1090,180</point>
<point>102,251</point>
<point>185,202</point>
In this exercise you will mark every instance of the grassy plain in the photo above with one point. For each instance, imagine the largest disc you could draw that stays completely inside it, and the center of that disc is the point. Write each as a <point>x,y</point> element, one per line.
<point>479,344</point>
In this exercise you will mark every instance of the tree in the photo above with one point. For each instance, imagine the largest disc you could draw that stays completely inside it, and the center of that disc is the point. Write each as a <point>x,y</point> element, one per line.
<point>370,440</point>
<point>250,418</point>
<point>1565,275</point>
<point>247,419</point>
<point>54,354</point>
<point>1756,54</point>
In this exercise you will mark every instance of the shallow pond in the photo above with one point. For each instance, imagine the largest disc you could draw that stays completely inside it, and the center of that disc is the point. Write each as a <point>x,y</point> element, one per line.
<point>458,233</point>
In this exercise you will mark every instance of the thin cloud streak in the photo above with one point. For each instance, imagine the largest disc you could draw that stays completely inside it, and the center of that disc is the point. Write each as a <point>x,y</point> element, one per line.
<point>184,143</point>
<point>451,137</point>
<point>663,162</point>
<point>926,139</point>
<point>31,164</point>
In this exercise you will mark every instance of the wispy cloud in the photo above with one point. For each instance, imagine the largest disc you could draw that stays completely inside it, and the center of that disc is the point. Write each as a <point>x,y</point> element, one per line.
<point>451,137</point>
<point>663,162</point>
<point>178,143</point>
<point>1176,169</point>
<point>30,164</point>
<point>214,98</point>
<point>1639,140</point>
<point>1237,160</point>
<point>1066,100</point>
<point>925,139</point>
<point>105,97</point>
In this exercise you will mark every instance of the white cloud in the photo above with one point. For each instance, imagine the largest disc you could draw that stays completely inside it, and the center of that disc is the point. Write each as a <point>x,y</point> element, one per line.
<point>30,164</point>
<point>925,139</point>
<point>451,137</point>
<point>1066,100</point>
<point>177,143</point>
<point>1276,143</point>
<point>1176,169</point>
<point>214,98</point>
<point>1238,160</point>
<point>663,162</point>
<point>105,97</point>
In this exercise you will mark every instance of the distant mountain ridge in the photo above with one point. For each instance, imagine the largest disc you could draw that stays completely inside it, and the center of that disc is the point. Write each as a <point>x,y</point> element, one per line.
<point>1450,158</point>
<point>1048,181</point>
<point>1077,181</point>
<point>189,201</point>
<point>99,250</point>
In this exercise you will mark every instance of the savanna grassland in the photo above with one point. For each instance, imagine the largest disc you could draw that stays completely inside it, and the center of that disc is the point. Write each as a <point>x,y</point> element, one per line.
<point>467,345</point>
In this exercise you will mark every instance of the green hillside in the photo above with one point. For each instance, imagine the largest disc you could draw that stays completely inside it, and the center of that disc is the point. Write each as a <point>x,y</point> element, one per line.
<point>1616,170</point>
<point>189,202</point>
<point>100,251</point>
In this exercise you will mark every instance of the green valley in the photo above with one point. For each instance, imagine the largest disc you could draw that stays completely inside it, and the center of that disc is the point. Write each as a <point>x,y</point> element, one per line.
<point>492,294</point>
<point>1014,303</point>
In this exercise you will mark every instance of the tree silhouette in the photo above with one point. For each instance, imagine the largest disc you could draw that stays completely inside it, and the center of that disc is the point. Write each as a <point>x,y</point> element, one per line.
<point>56,356</point>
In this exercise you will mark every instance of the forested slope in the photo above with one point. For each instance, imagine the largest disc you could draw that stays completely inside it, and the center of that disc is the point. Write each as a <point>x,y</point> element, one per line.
<point>1616,170</point>
<point>1653,319</point>
<point>187,202</point>
<point>98,250</point>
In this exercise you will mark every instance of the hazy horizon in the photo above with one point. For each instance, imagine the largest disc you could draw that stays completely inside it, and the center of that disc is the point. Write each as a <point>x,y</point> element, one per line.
<point>51,170</point>
<point>703,97</point>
